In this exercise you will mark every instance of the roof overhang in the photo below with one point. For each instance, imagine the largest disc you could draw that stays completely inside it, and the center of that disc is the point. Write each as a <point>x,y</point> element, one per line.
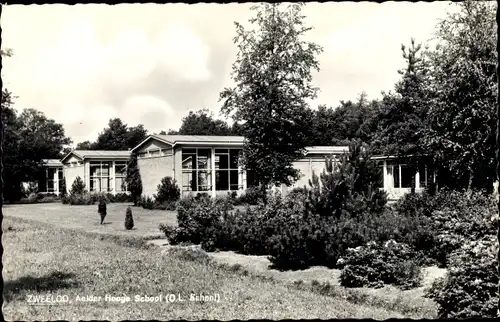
<point>150,137</point>
<point>69,154</point>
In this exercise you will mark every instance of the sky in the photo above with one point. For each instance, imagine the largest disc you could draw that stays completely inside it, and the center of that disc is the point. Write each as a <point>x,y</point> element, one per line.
<point>151,64</point>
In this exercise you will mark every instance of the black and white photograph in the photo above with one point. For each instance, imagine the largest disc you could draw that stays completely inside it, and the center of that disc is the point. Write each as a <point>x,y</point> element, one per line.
<point>260,160</point>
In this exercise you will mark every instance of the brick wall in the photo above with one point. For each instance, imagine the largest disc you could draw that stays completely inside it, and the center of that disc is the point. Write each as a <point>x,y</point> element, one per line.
<point>153,170</point>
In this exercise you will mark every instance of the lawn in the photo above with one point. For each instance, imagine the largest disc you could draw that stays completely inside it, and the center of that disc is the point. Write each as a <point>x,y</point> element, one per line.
<point>42,259</point>
<point>86,218</point>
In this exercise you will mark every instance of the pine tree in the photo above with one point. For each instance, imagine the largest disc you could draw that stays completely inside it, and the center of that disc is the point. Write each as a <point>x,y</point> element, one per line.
<point>133,179</point>
<point>78,187</point>
<point>129,220</point>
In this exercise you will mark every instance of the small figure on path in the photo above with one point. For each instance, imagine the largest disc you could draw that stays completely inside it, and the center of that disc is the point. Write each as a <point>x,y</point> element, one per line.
<point>101,208</point>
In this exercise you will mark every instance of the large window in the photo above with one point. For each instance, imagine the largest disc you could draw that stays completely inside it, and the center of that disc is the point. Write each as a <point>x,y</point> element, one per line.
<point>196,169</point>
<point>226,169</point>
<point>99,176</point>
<point>51,173</point>
<point>120,175</point>
<point>402,174</point>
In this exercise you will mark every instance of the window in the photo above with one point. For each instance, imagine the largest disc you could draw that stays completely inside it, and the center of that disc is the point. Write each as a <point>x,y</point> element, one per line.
<point>120,175</point>
<point>141,155</point>
<point>60,177</point>
<point>422,172</point>
<point>99,176</point>
<point>51,174</point>
<point>396,175</point>
<point>406,173</point>
<point>196,169</point>
<point>226,169</point>
<point>154,153</point>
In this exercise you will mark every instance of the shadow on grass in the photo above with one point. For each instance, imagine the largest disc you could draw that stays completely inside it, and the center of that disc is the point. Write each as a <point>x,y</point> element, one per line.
<point>107,223</point>
<point>48,283</point>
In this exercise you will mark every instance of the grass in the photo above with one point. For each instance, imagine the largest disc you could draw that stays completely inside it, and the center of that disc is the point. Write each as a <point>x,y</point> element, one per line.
<point>42,259</point>
<point>322,280</point>
<point>86,218</point>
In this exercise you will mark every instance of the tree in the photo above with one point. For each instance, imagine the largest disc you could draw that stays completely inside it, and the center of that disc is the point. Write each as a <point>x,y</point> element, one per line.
<point>273,78</point>
<point>85,145</point>
<point>117,136</point>
<point>203,122</point>
<point>133,179</point>
<point>462,116</point>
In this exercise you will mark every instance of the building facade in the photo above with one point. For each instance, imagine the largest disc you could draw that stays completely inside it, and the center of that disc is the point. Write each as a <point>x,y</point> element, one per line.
<point>205,164</point>
<point>101,171</point>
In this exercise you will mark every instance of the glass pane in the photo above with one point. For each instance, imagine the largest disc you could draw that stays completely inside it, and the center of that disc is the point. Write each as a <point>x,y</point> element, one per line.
<point>154,153</point>
<point>423,175</point>
<point>406,174</point>
<point>51,173</point>
<point>188,181</point>
<point>234,187</point>
<point>94,184</point>
<point>188,161</point>
<point>396,176</point>
<point>234,177</point>
<point>222,180</point>
<point>223,151</point>
<point>105,168</point>
<point>233,158</point>
<point>50,185</point>
<point>119,184</point>
<point>204,178</point>
<point>60,174</point>
<point>104,184</point>
<point>204,158</point>
<point>95,170</point>
<point>222,161</point>
<point>120,170</point>
<point>205,188</point>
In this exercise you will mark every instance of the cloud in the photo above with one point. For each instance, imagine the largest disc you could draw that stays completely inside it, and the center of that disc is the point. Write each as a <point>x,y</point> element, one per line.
<point>152,64</point>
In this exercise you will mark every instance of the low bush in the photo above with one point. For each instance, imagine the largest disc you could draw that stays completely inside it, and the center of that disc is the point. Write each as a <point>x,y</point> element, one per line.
<point>376,264</point>
<point>446,220</point>
<point>78,199</point>
<point>129,219</point>
<point>470,288</point>
<point>199,222</point>
<point>251,196</point>
<point>123,197</point>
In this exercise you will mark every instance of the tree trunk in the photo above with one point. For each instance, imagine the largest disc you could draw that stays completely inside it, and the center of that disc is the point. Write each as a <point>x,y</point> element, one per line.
<point>471,177</point>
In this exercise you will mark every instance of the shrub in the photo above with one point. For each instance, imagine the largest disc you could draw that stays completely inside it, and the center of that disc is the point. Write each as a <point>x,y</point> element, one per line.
<point>129,220</point>
<point>374,265</point>
<point>78,187</point>
<point>78,199</point>
<point>348,186</point>
<point>63,192</point>
<point>470,288</point>
<point>199,222</point>
<point>167,191</point>
<point>147,202</point>
<point>123,197</point>
<point>450,217</point>
<point>251,196</point>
